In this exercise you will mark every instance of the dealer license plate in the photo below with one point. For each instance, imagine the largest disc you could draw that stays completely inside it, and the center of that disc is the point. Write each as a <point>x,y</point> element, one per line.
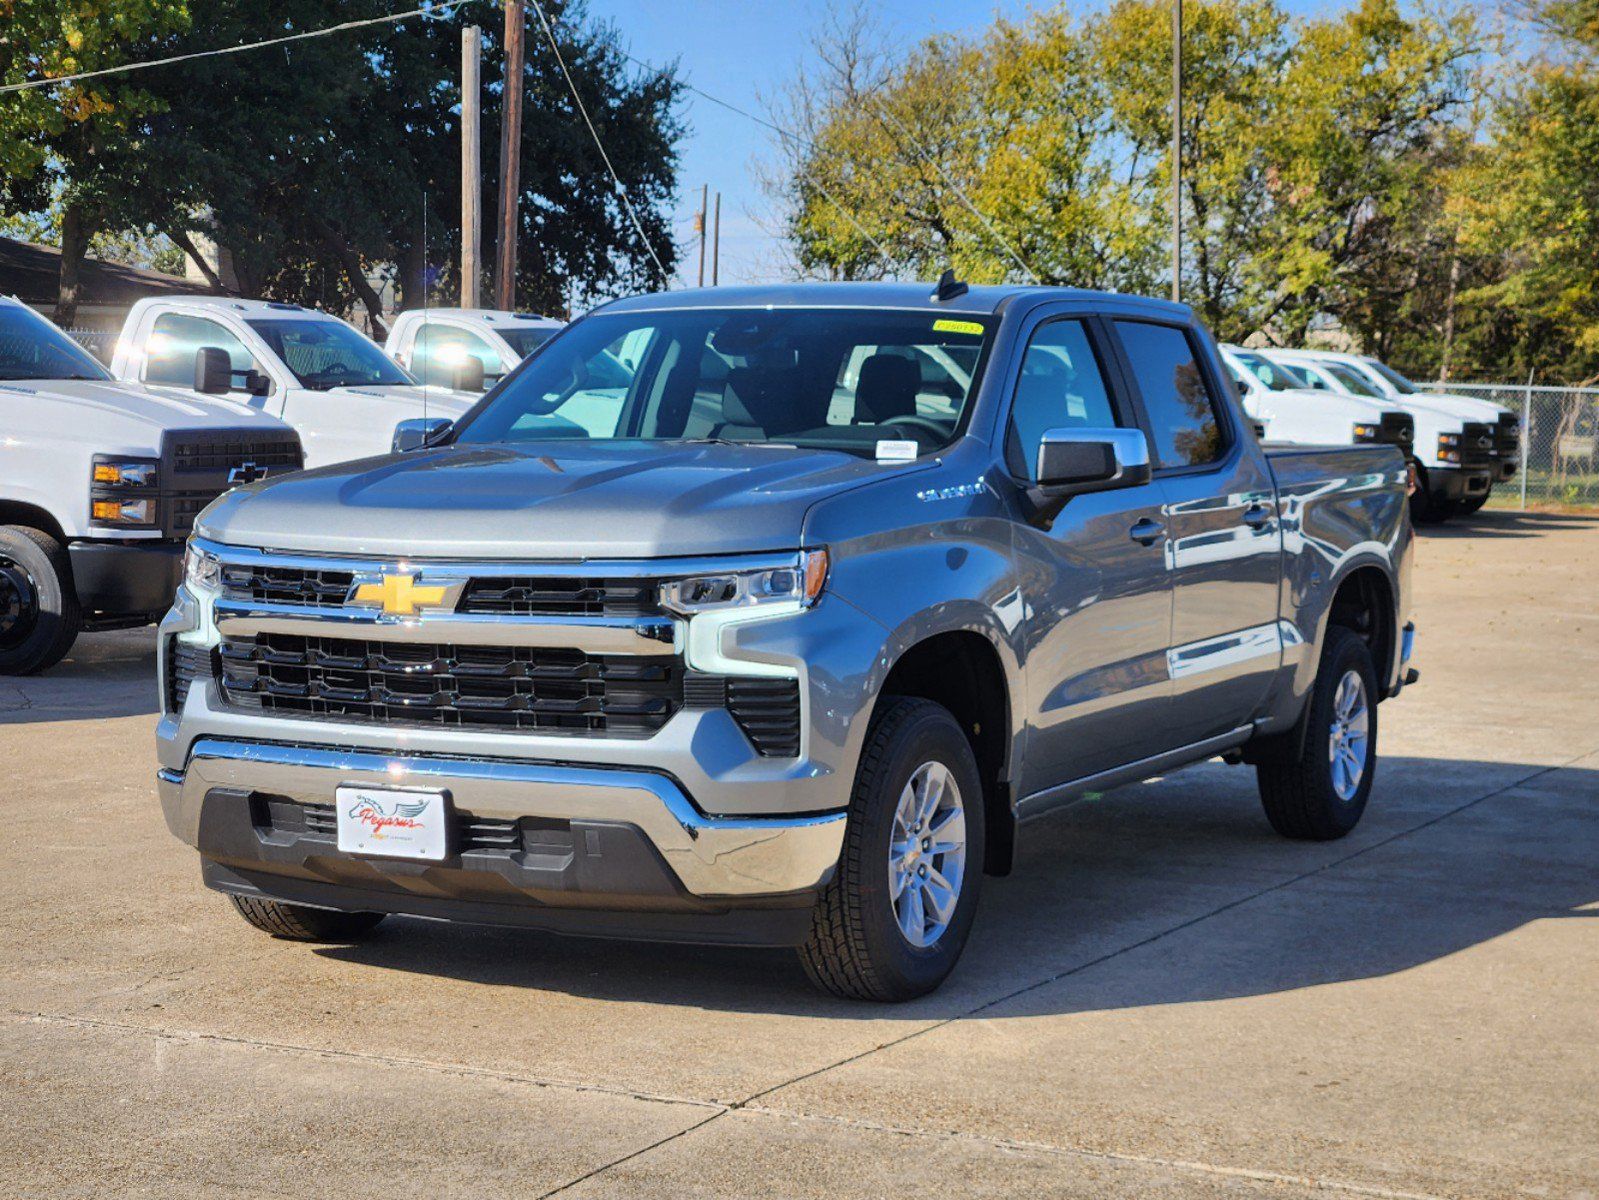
<point>392,823</point>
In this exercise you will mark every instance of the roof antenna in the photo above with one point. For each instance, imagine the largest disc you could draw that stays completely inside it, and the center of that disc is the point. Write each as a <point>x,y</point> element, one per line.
<point>949,288</point>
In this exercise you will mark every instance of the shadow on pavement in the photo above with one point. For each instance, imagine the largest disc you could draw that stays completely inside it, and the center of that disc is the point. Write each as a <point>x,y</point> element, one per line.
<point>1507,523</point>
<point>1199,863</point>
<point>105,675</point>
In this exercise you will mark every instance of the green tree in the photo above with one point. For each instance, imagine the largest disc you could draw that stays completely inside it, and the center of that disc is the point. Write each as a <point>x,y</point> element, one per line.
<point>65,147</point>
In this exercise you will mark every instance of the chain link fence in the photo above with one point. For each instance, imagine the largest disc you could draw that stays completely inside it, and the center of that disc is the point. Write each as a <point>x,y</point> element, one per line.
<point>1559,441</point>
<point>102,343</point>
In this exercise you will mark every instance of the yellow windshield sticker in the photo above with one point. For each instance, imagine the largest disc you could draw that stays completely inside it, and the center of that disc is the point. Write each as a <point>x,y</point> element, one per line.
<point>947,326</point>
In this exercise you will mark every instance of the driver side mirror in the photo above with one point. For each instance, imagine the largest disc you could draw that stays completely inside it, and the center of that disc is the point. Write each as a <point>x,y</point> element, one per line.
<point>467,375</point>
<point>213,371</point>
<point>414,433</point>
<point>1072,462</point>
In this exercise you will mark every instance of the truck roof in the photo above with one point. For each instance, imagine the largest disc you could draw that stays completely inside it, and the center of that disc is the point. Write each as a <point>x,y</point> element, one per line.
<point>252,309</point>
<point>490,316</point>
<point>982,299</point>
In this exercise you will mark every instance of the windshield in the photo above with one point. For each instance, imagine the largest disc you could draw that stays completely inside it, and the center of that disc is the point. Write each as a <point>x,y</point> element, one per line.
<point>820,378</point>
<point>1274,375</point>
<point>1352,380</point>
<point>1401,385</point>
<point>526,339</point>
<point>327,354</point>
<point>32,348</point>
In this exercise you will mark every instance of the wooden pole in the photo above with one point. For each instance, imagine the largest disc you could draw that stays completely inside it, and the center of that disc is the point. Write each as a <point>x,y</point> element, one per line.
<point>1177,150</point>
<point>471,163</point>
<point>510,157</point>
<point>716,243</point>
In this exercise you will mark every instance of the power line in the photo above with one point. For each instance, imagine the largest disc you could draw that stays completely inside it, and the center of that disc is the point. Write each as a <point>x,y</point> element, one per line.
<point>430,10</point>
<point>621,190</point>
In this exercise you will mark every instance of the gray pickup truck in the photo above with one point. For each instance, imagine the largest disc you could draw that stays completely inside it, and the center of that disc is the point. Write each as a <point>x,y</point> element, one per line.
<point>773,617</point>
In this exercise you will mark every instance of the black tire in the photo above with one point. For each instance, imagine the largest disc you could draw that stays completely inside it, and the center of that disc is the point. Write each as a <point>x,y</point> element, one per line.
<point>298,923</point>
<point>856,948</point>
<point>1471,504</point>
<point>39,616</point>
<point>1425,508</point>
<point>1299,795</point>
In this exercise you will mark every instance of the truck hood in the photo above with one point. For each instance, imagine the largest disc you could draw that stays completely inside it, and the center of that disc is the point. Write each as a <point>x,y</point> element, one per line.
<point>1470,408</point>
<point>552,500</point>
<point>440,402</point>
<point>117,417</point>
<point>1356,408</point>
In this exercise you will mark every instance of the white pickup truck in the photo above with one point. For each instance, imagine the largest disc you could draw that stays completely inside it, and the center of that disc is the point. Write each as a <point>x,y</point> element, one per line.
<point>444,346</point>
<point>334,385</point>
<point>100,483</point>
<point>1454,459</point>
<point>1287,409</point>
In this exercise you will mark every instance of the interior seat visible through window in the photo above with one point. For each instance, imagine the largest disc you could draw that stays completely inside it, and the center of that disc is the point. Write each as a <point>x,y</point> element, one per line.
<point>887,388</point>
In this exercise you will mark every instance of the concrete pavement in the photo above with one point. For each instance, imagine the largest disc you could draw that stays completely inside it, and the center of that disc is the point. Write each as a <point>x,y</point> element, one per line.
<point>1164,1000</point>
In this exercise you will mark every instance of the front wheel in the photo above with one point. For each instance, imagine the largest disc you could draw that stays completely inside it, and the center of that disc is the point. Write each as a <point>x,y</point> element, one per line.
<point>1321,794</point>
<point>894,919</point>
<point>1425,508</point>
<point>39,615</point>
<point>301,923</point>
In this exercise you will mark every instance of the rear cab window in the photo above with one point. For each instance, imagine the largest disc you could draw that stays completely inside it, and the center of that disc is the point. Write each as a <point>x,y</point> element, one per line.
<point>1187,428</point>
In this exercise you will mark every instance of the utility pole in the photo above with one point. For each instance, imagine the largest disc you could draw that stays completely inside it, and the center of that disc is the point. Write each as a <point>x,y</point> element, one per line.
<point>471,162</point>
<point>1177,150</point>
<point>716,243</point>
<point>510,157</point>
<point>699,227</point>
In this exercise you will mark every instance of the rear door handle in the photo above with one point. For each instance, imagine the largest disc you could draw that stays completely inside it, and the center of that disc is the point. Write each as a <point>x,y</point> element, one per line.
<point>1146,532</point>
<point>1257,516</point>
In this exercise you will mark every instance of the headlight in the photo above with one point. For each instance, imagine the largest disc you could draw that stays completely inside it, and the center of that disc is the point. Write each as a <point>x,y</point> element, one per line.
<point>201,570</point>
<point>115,484</point>
<point>1449,447</point>
<point>1367,433</point>
<point>802,581</point>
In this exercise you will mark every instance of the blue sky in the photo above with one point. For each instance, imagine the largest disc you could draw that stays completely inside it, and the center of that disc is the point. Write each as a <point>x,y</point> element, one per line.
<point>742,50</point>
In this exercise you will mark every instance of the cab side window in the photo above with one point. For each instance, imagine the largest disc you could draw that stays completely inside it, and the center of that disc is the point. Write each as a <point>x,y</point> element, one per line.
<point>440,349</point>
<point>176,339</point>
<point>1183,416</point>
<point>1061,387</point>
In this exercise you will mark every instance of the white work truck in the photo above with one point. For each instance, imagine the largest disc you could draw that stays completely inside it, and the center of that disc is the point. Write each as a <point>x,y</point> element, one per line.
<point>1455,460</point>
<point>445,346</point>
<point>1288,410</point>
<point>100,483</point>
<point>334,385</point>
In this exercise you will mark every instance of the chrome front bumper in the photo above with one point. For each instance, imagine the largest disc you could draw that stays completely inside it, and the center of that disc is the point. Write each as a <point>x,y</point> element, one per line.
<point>711,857</point>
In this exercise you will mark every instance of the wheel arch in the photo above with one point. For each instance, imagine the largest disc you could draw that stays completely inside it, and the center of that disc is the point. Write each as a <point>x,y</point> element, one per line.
<point>33,516</point>
<point>964,670</point>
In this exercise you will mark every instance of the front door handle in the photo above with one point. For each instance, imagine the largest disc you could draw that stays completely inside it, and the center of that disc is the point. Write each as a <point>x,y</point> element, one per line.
<point>1257,516</point>
<point>1146,532</point>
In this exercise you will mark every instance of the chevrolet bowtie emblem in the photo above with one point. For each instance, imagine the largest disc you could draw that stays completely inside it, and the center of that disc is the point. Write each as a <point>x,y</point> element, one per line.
<point>402,595</point>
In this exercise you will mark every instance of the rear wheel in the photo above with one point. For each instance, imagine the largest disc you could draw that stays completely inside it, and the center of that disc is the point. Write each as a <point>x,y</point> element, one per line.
<point>1321,794</point>
<point>300,923</point>
<point>894,919</point>
<point>39,615</point>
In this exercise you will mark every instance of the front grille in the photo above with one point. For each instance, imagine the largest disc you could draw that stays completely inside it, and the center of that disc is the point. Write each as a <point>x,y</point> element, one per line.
<point>277,454</point>
<point>319,822</point>
<point>1507,436</point>
<point>526,596</point>
<point>516,595</point>
<point>1397,429</point>
<point>286,585</point>
<point>198,465</point>
<point>1476,445</point>
<point>185,664</point>
<point>504,687</point>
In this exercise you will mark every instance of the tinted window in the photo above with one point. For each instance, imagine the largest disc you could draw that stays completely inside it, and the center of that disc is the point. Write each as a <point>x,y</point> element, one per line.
<point>1061,387</point>
<point>325,353</point>
<point>839,379</point>
<point>525,339</point>
<point>1274,375</point>
<point>1182,412</point>
<point>1401,385</point>
<point>176,340</point>
<point>32,348</point>
<point>1354,382</point>
<point>440,350</point>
